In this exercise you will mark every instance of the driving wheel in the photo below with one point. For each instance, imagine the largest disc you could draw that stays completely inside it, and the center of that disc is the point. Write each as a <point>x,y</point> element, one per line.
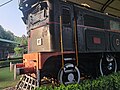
<point>70,74</point>
<point>108,65</point>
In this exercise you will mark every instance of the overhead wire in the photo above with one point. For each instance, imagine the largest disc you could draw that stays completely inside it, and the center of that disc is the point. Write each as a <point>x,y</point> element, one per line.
<point>6,3</point>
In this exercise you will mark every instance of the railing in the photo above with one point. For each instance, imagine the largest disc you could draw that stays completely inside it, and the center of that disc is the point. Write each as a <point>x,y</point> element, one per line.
<point>6,62</point>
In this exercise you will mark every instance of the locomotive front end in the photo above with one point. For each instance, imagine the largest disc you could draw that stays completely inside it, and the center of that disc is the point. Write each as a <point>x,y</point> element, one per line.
<point>36,17</point>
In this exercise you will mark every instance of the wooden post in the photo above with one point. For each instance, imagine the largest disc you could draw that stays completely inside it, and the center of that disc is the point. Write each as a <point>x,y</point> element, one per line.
<point>15,74</point>
<point>11,67</point>
<point>38,78</point>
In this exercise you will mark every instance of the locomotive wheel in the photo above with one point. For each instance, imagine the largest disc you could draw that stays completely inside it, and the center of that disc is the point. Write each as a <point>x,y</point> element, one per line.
<point>108,65</point>
<point>69,75</point>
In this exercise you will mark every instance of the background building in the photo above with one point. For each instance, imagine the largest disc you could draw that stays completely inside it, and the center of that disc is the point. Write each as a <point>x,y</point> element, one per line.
<point>6,48</point>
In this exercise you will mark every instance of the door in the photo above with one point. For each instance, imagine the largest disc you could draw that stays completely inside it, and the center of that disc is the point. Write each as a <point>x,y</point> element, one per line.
<point>67,26</point>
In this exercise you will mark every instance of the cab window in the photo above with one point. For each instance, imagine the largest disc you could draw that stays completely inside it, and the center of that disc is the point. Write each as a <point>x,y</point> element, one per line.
<point>114,25</point>
<point>93,21</point>
<point>66,16</point>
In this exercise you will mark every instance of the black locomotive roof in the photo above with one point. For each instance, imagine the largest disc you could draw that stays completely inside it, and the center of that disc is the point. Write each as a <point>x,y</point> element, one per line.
<point>107,6</point>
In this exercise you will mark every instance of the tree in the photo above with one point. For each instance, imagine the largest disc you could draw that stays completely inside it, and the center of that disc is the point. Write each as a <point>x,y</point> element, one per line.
<point>23,44</point>
<point>2,32</point>
<point>21,40</point>
<point>8,35</point>
<point>18,51</point>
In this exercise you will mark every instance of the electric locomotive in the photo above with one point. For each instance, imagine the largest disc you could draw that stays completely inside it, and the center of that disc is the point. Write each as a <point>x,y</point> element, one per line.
<point>67,41</point>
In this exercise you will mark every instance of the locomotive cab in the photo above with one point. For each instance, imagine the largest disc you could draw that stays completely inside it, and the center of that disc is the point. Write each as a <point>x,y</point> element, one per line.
<point>38,28</point>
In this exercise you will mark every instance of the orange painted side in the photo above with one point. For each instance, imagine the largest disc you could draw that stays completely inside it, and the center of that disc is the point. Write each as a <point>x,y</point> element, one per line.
<point>45,55</point>
<point>37,60</point>
<point>31,60</point>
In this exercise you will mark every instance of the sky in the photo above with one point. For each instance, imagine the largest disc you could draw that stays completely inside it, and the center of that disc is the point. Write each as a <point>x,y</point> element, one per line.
<point>10,18</point>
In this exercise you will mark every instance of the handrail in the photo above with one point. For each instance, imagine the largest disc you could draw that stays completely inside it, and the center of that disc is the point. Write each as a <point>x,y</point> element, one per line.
<point>4,59</point>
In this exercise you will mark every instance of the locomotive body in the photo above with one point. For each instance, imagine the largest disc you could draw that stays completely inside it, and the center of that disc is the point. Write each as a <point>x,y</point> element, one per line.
<point>67,40</point>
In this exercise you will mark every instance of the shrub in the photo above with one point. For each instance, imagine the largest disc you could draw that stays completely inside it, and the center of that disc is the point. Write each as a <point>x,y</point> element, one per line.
<point>110,82</point>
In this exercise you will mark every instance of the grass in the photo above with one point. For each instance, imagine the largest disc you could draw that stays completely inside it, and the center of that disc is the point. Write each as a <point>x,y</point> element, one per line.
<point>7,78</point>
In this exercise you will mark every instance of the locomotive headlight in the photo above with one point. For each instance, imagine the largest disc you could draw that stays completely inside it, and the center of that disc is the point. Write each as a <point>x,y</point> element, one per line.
<point>21,8</point>
<point>26,5</point>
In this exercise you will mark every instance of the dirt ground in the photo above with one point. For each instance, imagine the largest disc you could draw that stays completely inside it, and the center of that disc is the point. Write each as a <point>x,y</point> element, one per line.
<point>10,88</point>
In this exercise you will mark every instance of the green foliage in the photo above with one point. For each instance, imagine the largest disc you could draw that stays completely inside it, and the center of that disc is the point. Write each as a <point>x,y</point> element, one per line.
<point>8,35</point>
<point>22,48</point>
<point>18,51</point>
<point>7,78</point>
<point>21,40</point>
<point>110,82</point>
